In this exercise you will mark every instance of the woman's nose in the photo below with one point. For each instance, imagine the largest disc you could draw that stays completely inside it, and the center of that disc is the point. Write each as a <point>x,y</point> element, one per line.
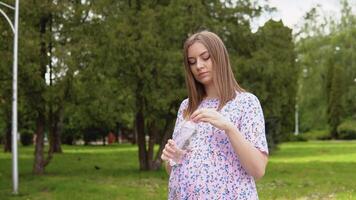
<point>200,64</point>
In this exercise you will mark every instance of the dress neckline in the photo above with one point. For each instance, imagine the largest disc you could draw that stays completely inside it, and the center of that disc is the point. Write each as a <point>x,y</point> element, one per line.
<point>210,99</point>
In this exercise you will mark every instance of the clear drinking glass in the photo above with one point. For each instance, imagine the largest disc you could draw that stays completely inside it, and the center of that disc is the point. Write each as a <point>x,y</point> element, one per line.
<point>183,140</point>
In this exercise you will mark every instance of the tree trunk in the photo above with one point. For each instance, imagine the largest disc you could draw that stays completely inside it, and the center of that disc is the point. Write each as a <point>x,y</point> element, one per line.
<point>50,123</point>
<point>141,140</point>
<point>7,144</point>
<point>117,133</point>
<point>167,134</point>
<point>135,137</point>
<point>151,143</point>
<point>39,161</point>
<point>104,140</point>
<point>167,130</point>
<point>140,127</point>
<point>54,117</point>
<point>56,145</point>
<point>38,166</point>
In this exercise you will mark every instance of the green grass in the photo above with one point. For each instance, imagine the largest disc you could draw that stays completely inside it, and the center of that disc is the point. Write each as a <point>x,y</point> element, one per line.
<point>304,170</point>
<point>311,170</point>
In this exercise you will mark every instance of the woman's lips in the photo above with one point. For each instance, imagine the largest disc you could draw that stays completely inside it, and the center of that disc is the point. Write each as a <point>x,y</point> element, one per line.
<point>203,74</point>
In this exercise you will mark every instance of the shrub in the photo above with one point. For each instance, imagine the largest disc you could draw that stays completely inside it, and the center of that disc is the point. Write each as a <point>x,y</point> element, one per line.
<point>347,130</point>
<point>70,136</point>
<point>317,135</point>
<point>296,138</point>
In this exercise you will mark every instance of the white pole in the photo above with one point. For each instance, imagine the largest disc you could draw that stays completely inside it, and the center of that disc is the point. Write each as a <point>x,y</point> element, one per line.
<point>15,175</point>
<point>296,132</point>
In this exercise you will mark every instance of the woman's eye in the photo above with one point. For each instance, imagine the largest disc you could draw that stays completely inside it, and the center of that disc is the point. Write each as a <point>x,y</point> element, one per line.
<point>191,62</point>
<point>206,57</point>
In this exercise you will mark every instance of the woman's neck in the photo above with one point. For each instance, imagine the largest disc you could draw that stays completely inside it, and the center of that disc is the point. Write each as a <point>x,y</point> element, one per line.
<point>211,91</point>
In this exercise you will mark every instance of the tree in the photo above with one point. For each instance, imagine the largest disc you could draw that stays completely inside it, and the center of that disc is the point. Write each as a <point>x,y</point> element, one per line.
<point>6,57</point>
<point>40,20</point>
<point>270,72</point>
<point>149,72</point>
<point>335,95</point>
<point>326,61</point>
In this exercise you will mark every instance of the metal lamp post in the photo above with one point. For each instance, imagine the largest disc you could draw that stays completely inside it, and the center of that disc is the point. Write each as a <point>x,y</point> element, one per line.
<point>14,27</point>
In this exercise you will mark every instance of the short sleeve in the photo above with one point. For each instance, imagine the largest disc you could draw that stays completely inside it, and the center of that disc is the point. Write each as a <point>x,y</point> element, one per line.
<point>252,122</point>
<point>180,117</point>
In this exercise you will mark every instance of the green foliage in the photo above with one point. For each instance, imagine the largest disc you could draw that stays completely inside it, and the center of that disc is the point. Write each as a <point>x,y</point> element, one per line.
<point>325,57</point>
<point>270,73</point>
<point>6,56</point>
<point>296,138</point>
<point>312,100</point>
<point>70,134</point>
<point>316,135</point>
<point>335,94</point>
<point>347,130</point>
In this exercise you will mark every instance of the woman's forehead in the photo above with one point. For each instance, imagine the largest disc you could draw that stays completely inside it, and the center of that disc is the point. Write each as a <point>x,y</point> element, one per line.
<point>196,49</point>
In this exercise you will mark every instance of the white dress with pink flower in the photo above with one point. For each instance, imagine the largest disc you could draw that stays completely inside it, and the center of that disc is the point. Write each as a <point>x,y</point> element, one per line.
<point>212,170</point>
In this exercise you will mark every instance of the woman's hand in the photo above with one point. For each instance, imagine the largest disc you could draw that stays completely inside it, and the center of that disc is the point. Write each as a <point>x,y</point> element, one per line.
<point>213,117</point>
<point>172,152</point>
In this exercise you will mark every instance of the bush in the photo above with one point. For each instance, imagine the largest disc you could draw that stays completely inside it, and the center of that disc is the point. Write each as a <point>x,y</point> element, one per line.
<point>26,137</point>
<point>93,133</point>
<point>347,130</point>
<point>317,135</point>
<point>68,139</point>
<point>69,136</point>
<point>296,138</point>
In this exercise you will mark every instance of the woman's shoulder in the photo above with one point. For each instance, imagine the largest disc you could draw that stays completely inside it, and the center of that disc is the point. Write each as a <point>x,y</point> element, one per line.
<point>246,98</point>
<point>184,104</point>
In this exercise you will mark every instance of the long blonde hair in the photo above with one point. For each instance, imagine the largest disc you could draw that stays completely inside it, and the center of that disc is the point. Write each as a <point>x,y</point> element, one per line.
<point>223,76</point>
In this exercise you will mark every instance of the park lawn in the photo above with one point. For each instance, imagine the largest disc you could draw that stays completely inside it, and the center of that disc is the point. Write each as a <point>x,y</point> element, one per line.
<point>299,170</point>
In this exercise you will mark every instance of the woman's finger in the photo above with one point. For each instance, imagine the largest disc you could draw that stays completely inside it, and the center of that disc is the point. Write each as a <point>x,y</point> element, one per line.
<point>195,113</point>
<point>200,116</point>
<point>167,154</point>
<point>171,143</point>
<point>205,119</point>
<point>164,157</point>
<point>170,149</point>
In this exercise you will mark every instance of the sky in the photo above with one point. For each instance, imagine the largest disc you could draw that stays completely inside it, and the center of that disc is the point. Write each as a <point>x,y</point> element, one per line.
<point>291,12</point>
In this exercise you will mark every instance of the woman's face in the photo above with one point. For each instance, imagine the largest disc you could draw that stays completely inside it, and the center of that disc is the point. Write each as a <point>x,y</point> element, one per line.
<point>200,63</point>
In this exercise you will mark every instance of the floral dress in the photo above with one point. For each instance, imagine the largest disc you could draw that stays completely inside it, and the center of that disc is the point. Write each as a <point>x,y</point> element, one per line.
<point>212,169</point>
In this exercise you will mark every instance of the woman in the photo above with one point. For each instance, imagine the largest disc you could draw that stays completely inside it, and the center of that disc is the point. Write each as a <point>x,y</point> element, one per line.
<point>229,150</point>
